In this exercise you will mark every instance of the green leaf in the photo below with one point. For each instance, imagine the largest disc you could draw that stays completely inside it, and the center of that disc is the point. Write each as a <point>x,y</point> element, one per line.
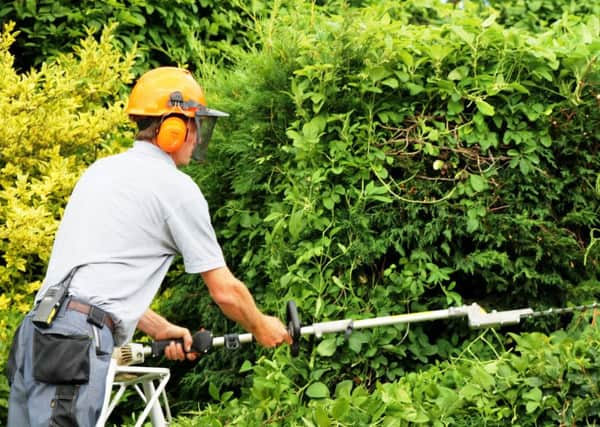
<point>525,166</point>
<point>295,224</point>
<point>478,182</point>
<point>414,89</point>
<point>383,199</point>
<point>340,408</point>
<point>470,391</point>
<point>406,57</point>
<point>317,390</point>
<point>544,72</point>
<point>472,224</point>
<point>531,406</point>
<point>379,73</point>
<point>533,394</point>
<point>213,390</point>
<point>489,20</point>
<point>484,379</point>
<point>485,108</point>
<point>534,381</point>
<point>447,399</point>
<point>313,128</point>
<point>132,18</point>
<point>327,347</point>
<point>373,189</point>
<point>455,107</point>
<point>546,141</point>
<point>246,366</point>
<point>343,389</point>
<point>458,73</point>
<point>356,340</point>
<point>439,52</point>
<point>321,417</point>
<point>273,216</point>
<point>438,164</point>
<point>391,82</point>
<point>463,34</point>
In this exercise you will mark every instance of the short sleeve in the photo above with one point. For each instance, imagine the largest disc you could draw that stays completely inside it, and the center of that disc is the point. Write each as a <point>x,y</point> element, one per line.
<point>194,236</point>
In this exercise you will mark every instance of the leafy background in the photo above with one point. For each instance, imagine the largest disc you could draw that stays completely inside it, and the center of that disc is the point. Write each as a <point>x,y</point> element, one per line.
<point>380,158</point>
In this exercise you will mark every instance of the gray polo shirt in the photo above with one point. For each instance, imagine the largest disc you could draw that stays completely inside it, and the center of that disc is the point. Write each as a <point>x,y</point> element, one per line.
<point>127,218</point>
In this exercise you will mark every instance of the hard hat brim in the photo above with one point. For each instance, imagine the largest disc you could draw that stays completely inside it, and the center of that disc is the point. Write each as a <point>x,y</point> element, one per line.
<point>209,112</point>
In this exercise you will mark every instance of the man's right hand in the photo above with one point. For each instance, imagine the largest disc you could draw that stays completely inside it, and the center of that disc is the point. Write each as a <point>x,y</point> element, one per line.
<point>235,301</point>
<point>271,332</point>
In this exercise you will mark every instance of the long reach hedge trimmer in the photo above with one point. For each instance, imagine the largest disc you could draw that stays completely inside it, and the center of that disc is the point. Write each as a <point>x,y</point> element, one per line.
<point>477,317</point>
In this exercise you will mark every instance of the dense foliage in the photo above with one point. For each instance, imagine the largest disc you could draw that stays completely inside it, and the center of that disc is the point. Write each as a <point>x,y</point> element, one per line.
<point>376,163</point>
<point>542,380</point>
<point>538,15</point>
<point>177,33</point>
<point>379,159</point>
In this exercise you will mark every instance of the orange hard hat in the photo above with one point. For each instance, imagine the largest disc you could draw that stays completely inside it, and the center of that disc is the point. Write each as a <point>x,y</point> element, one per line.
<point>167,91</point>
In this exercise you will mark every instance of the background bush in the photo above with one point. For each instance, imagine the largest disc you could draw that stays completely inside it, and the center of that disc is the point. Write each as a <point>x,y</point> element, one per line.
<point>177,33</point>
<point>539,15</point>
<point>377,163</point>
<point>55,122</point>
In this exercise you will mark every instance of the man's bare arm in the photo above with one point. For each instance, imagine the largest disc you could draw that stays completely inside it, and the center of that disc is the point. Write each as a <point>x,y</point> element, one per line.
<point>236,302</point>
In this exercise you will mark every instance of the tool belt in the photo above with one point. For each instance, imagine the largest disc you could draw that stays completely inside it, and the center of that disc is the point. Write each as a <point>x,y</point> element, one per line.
<point>61,358</point>
<point>96,316</point>
<point>57,295</point>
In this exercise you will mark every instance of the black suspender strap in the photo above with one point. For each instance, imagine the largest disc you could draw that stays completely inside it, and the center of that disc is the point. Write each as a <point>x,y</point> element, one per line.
<point>63,406</point>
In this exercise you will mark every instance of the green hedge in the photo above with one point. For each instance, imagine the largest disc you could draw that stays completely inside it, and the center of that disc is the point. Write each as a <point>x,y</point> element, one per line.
<point>183,32</point>
<point>538,380</point>
<point>539,15</point>
<point>399,158</point>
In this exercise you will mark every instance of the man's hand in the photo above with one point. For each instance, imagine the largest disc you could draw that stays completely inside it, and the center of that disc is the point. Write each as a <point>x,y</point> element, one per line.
<point>160,328</point>
<point>176,351</point>
<point>271,332</point>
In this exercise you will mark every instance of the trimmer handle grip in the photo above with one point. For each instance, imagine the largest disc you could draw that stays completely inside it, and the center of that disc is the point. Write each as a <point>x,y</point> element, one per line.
<point>202,342</point>
<point>294,328</point>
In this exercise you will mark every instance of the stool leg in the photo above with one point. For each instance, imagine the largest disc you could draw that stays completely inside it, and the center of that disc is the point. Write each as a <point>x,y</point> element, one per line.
<point>110,377</point>
<point>156,413</point>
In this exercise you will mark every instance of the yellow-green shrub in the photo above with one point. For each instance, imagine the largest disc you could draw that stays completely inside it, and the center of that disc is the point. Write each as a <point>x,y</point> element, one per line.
<point>54,122</point>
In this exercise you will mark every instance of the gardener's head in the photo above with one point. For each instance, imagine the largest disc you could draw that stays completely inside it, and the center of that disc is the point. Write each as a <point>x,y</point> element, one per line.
<point>170,110</point>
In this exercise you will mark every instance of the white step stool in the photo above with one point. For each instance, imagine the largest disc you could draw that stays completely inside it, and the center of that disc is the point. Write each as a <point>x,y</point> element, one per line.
<point>136,376</point>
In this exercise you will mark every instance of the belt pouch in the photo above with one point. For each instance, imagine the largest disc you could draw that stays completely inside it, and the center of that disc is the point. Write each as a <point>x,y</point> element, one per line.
<point>61,359</point>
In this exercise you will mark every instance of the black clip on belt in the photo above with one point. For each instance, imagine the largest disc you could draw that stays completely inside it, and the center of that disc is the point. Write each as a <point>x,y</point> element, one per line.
<point>96,316</point>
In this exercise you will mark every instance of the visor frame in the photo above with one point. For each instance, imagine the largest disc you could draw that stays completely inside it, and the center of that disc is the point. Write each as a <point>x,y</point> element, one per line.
<point>205,119</point>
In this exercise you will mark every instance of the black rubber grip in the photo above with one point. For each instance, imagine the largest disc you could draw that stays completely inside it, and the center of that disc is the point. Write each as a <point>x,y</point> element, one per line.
<point>293,320</point>
<point>201,343</point>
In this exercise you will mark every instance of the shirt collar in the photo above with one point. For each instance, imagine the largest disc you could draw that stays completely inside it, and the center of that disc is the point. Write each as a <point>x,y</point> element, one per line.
<point>149,149</point>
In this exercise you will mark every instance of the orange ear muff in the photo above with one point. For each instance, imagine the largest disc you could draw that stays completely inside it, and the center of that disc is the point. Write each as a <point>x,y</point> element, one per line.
<point>171,134</point>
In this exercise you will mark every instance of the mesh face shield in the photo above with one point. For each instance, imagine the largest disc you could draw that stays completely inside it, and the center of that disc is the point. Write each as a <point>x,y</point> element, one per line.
<point>205,119</point>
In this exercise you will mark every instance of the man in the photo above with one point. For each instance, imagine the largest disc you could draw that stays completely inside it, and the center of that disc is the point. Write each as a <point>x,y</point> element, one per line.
<point>127,218</point>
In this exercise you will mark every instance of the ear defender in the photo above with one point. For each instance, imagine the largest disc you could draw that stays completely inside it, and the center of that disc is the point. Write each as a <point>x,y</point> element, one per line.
<point>171,134</point>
